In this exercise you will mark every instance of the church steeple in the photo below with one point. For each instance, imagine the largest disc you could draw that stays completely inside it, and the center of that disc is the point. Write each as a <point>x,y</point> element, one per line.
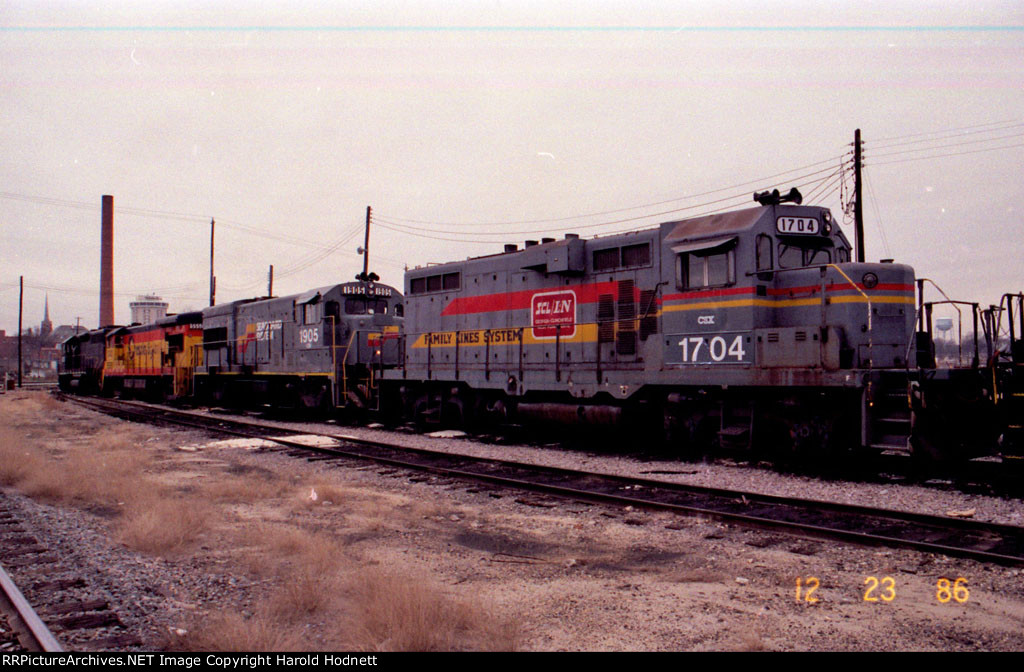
<point>46,327</point>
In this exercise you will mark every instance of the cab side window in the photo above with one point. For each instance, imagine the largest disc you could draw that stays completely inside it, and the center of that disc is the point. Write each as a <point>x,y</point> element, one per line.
<point>710,268</point>
<point>790,256</point>
<point>764,252</point>
<point>818,256</point>
<point>312,312</point>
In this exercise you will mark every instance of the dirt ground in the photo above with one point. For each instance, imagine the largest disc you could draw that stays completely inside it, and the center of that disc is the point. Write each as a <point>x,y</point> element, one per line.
<point>206,545</point>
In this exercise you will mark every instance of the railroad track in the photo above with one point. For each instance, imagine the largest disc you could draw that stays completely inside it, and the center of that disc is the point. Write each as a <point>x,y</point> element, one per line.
<point>63,601</point>
<point>987,542</point>
<point>25,631</point>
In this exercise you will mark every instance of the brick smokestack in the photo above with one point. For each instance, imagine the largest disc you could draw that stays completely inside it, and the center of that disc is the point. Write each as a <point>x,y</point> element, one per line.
<point>107,263</point>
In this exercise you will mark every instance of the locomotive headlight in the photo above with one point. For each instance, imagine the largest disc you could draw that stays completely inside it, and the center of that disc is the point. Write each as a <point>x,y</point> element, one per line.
<point>870,280</point>
<point>826,228</point>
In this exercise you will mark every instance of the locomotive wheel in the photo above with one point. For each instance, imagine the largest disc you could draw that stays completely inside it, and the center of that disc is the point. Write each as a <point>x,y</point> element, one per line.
<point>315,397</point>
<point>488,411</point>
<point>926,456</point>
<point>774,440</point>
<point>452,413</point>
<point>688,438</point>
<point>425,414</point>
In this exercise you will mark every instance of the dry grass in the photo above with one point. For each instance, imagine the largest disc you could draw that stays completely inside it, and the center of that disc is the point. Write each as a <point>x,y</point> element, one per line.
<point>291,542</point>
<point>273,549</point>
<point>401,613</point>
<point>16,462</point>
<point>748,640</point>
<point>228,631</point>
<point>319,593</point>
<point>105,469</point>
<point>30,409</point>
<point>105,472</point>
<point>303,593</point>
<point>245,490</point>
<point>160,525</point>
<point>326,494</point>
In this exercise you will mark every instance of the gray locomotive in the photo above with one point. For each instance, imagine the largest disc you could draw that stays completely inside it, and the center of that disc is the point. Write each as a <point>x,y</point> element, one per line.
<point>323,349</point>
<point>750,328</point>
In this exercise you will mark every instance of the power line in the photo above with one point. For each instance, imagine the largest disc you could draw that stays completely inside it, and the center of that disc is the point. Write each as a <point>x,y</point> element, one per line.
<point>393,225</point>
<point>954,144</point>
<point>874,145</point>
<point>940,156</point>
<point>878,215</point>
<point>761,180</point>
<point>162,214</point>
<point>820,187</point>
<point>947,130</point>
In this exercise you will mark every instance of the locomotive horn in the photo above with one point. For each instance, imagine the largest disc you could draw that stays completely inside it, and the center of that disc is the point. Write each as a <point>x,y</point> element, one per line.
<point>773,197</point>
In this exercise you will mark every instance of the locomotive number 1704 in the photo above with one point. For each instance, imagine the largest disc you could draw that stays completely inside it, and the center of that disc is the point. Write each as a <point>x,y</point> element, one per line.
<point>711,349</point>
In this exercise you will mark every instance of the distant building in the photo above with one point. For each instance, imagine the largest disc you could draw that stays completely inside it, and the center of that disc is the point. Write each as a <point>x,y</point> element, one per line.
<point>40,347</point>
<point>46,327</point>
<point>147,309</point>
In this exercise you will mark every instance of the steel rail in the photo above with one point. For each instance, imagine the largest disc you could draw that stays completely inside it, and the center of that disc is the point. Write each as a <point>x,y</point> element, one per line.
<point>934,525</point>
<point>42,638</point>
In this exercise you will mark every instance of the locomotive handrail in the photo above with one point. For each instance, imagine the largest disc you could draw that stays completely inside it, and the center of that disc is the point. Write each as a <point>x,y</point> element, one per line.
<point>925,309</point>
<point>960,348</point>
<point>867,298</point>
<point>344,362</point>
<point>334,363</point>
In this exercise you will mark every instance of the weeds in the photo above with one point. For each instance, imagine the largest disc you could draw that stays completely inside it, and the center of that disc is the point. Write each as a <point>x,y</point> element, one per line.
<point>229,631</point>
<point>162,525</point>
<point>394,613</point>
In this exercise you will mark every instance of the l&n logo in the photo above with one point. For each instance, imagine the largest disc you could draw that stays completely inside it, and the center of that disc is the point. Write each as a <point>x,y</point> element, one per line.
<point>551,310</point>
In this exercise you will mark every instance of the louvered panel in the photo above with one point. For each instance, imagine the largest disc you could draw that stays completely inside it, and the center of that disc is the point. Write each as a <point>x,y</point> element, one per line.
<point>605,318</point>
<point>648,313</point>
<point>627,304</point>
<point>626,343</point>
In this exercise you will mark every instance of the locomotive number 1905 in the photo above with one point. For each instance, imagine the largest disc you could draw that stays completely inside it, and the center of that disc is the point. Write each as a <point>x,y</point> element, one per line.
<point>709,349</point>
<point>309,336</point>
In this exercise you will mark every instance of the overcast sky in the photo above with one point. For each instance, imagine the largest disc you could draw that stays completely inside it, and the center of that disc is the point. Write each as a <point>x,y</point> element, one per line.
<point>464,123</point>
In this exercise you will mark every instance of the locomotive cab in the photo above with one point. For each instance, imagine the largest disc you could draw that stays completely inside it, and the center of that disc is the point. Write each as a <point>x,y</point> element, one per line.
<point>324,348</point>
<point>773,288</point>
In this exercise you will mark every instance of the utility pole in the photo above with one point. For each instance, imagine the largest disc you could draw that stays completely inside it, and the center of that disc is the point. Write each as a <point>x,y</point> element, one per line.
<point>858,209</point>
<point>366,248</point>
<point>21,296</point>
<point>213,279</point>
<point>270,282</point>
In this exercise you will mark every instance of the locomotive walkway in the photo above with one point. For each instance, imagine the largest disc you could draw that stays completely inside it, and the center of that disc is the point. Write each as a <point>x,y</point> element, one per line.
<point>986,542</point>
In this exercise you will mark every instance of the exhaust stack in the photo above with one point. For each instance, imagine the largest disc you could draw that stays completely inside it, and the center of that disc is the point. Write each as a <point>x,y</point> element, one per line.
<point>107,263</point>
